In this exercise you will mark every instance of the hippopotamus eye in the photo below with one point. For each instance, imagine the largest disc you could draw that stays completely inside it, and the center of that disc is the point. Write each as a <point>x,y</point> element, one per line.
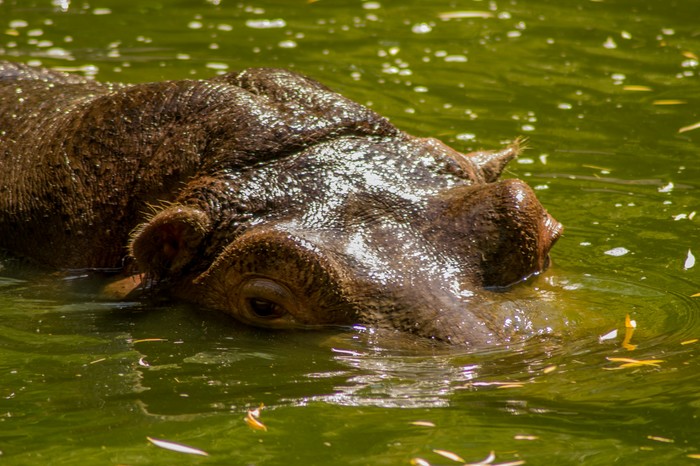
<point>264,298</point>
<point>264,308</point>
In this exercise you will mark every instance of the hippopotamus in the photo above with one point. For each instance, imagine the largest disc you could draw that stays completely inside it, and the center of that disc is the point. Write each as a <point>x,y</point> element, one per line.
<point>265,195</point>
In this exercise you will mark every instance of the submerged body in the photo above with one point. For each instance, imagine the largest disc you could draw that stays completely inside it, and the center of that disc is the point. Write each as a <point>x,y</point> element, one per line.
<point>265,195</point>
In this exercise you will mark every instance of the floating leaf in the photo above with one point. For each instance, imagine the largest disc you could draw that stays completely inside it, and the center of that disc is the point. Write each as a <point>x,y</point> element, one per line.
<point>526,437</point>
<point>419,462</point>
<point>689,261</point>
<point>696,295</point>
<point>694,456</point>
<point>669,102</point>
<point>617,252</point>
<point>549,369</point>
<point>627,362</point>
<point>660,439</point>
<point>252,419</point>
<point>611,335</point>
<point>630,325</point>
<point>636,88</point>
<point>689,342</point>
<point>176,447</point>
<point>689,127</point>
<point>148,340</point>
<point>423,423</point>
<point>464,14</point>
<point>488,460</point>
<point>449,455</point>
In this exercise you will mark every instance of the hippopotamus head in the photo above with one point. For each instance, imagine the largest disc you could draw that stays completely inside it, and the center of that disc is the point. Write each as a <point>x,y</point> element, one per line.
<point>379,228</point>
<point>274,199</point>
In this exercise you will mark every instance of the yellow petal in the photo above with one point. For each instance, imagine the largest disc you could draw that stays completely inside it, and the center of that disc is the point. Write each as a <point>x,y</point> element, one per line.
<point>253,423</point>
<point>627,362</point>
<point>636,88</point>
<point>669,102</point>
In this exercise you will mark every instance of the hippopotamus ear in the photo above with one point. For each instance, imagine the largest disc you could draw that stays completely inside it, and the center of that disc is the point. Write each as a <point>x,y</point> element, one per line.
<point>492,163</point>
<point>169,241</point>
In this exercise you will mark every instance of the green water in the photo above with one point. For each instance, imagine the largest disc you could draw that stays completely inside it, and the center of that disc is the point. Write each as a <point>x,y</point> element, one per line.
<point>600,89</point>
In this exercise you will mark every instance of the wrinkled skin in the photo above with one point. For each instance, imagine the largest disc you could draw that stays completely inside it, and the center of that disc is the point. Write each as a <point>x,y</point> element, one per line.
<point>267,196</point>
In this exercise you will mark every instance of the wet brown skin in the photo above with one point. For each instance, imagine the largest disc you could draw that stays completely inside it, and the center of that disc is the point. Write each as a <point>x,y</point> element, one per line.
<point>267,196</point>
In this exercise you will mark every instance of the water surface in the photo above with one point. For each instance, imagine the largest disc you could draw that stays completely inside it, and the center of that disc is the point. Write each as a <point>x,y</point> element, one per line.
<point>606,93</point>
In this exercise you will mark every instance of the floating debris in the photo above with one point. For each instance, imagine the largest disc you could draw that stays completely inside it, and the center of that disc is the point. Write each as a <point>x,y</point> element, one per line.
<point>549,369</point>
<point>617,252</point>
<point>419,462</point>
<point>689,342</point>
<point>689,127</point>
<point>526,437</point>
<point>611,335</point>
<point>669,102</point>
<point>488,460</point>
<point>628,362</point>
<point>423,423</point>
<point>144,340</point>
<point>252,419</point>
<point>630,326</point>
<point>176,447</point>
<point>689,261</point>
<point>660,439</point>
<point>464,15</point>
<point>449,455</point>
<point>636,88</point>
